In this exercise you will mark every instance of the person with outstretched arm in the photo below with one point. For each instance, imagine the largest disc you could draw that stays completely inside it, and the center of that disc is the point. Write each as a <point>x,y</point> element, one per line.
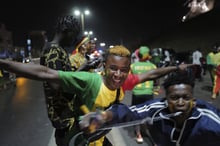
<point>178,119</point>
<point>95,90</point>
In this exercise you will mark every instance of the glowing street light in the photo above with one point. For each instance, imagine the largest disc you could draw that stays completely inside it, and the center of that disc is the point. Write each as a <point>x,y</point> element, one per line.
<point>88,33</point>
<point>82,16</point>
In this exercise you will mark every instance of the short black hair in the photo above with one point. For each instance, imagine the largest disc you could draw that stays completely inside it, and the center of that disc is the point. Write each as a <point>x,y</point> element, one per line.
<point>178,77</point>
<point>68,23</point>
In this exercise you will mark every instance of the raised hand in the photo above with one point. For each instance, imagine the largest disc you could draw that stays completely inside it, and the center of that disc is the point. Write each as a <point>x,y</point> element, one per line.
<point>91,122</point>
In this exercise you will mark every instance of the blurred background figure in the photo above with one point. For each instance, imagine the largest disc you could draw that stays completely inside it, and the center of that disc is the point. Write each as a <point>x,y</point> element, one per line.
<point>134,57</point>
<point>85,57</point>
<point>203,65</point>
<point>92,50</point>
<point>210,63</point>
<point>156,56</point>
<point>216,86</point>
<point>167,57</point>
<point>143,91</point>
<point>196,55</point>
<point>78,57</point>
<point>94,57</point>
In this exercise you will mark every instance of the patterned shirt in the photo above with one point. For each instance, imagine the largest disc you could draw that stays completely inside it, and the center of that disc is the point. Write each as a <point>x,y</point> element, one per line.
<point>77,60</point>
<point>59,104</point>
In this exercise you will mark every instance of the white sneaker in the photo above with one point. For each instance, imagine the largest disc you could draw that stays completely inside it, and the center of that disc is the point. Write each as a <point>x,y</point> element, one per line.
<point>213,96</point>
<point>139,139</point>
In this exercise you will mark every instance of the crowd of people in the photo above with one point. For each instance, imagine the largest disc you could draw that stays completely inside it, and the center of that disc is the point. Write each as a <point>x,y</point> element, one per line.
<point>143,91</point>
<point>78,97</point>
<point>94,91</point>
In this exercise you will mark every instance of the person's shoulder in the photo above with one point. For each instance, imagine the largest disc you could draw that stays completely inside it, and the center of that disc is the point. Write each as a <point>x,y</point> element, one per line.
<point>207,110</point>
<point>72,56</point>
<point>135,63</point>
<point>150,62</point>
<point>89,74</point>
<point>201,102</point>
<point>157,101</point>
<point>48,47</point>
<point>204,104</point>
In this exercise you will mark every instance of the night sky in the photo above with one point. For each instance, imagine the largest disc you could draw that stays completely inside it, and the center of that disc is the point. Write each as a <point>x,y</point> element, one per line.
<point>112,21</point>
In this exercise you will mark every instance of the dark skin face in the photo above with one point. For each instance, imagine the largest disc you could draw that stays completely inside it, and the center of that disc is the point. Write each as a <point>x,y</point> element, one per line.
<point>116,70</point>
<point>180,98</point>
<point>91,47</point>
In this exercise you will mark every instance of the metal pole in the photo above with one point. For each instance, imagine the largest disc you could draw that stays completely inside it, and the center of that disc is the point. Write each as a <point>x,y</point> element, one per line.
<point>82,22</point>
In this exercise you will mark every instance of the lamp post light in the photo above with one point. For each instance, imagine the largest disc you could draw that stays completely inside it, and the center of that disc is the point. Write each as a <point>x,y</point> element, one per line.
<point>82,17</point>
<point>88,33</point>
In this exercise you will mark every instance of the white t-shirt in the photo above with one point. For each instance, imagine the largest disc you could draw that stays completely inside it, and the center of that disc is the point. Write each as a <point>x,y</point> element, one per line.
<point>167,56</point>
<point>196,57</point>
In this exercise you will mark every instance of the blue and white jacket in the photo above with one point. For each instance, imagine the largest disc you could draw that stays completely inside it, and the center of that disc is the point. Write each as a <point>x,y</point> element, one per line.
<point>202,128</point>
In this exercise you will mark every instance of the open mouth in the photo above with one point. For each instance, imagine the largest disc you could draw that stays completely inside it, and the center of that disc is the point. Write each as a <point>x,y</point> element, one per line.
<point>116,82</point>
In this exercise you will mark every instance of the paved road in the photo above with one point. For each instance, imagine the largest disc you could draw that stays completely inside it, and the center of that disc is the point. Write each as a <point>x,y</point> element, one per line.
<point>23,118</point>
<point>24,122</point>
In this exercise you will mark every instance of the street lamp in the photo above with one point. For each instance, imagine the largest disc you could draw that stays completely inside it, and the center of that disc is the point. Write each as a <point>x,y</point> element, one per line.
<point>88,33</point>
<point>82,15</point>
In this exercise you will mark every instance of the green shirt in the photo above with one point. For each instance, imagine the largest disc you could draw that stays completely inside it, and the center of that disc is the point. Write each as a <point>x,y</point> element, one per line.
<point>146,87</point>
<point>90,88</point>
<point>209,58</point>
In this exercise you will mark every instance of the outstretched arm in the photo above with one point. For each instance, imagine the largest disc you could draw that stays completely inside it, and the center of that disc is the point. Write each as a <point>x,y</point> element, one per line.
<point>118,113</point>
<point>159,72</point>
<point>31,71</point>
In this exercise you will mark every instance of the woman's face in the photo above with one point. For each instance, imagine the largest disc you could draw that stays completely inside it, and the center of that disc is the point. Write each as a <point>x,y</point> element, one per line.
<point>180,98</point>
<point>116,69</point>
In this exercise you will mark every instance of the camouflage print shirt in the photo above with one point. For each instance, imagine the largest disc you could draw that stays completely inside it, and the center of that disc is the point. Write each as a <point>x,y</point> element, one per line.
<point>59,104</point>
